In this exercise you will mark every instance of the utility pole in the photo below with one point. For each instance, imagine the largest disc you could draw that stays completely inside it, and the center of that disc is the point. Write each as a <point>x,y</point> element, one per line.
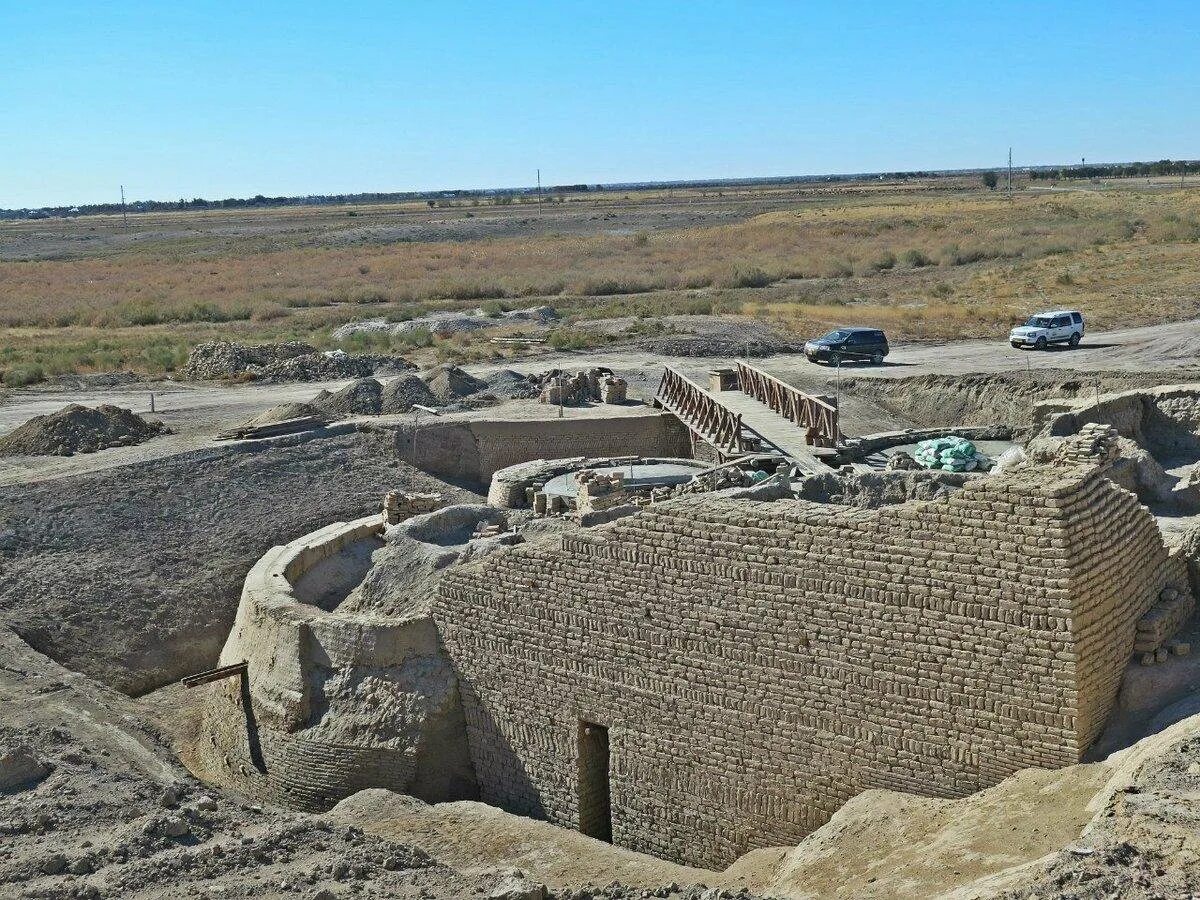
<point>124,215</point>
<point>1010,173</point>
<point>539,183</point>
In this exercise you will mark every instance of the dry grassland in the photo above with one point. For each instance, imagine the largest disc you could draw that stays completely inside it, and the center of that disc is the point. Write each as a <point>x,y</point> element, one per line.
<point>921,264</point>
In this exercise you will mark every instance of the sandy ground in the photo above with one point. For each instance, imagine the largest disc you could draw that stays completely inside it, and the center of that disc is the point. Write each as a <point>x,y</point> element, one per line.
<point>196,412</point>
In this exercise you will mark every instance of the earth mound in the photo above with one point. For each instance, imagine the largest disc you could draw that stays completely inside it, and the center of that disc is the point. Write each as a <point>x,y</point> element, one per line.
<point>509,385</point>
<point>449,383</point>
<point>400,394</point>
<point>359,398</point>
<point>80,429</point>
<point>285,411</point>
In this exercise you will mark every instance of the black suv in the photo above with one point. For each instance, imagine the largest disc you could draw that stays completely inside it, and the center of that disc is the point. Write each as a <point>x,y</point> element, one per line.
<point>848,343</point>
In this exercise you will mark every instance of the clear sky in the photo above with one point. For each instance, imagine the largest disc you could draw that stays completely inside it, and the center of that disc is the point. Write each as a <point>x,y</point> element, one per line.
<point>176,98</point>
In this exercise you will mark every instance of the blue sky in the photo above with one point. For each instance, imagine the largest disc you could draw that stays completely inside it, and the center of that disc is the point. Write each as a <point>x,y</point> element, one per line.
<point>218,99</point>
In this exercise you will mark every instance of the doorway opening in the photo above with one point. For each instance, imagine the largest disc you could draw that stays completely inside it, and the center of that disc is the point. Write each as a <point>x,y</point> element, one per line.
<point>595,801</point>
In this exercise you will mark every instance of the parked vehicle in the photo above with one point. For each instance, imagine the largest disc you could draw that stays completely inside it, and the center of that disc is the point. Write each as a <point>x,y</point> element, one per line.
<point>1060,326</point>
<point>848,343</point>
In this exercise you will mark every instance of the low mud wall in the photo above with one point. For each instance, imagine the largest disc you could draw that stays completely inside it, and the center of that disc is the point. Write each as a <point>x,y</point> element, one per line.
<point>1164,420</point>
<point>745,668</point>
<point>331,703</point>
<point>472,451</point>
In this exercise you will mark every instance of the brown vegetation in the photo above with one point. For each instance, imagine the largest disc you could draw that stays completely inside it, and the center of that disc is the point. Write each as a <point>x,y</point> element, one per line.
<point>924,265</point>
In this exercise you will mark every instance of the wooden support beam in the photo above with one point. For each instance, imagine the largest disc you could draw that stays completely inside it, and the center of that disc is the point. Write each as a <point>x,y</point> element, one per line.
<point>210,675</point>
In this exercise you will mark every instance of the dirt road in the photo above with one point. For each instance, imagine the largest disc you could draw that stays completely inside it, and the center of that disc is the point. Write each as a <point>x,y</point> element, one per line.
<point>197,411</point>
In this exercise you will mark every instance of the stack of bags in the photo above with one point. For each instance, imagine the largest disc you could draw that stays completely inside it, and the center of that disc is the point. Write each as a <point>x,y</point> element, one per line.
<point>951,454</point>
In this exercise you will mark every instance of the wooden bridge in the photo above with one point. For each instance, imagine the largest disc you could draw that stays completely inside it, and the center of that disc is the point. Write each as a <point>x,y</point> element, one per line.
<point>762,414</point>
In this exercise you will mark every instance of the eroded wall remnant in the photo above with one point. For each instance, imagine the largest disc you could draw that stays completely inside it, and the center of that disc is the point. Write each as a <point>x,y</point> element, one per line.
<point>335,700</point>
<point>474,449</point>
<point>754,665</point>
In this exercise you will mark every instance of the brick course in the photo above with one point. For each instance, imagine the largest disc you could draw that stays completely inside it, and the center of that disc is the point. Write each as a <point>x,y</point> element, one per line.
<point>757,664</point>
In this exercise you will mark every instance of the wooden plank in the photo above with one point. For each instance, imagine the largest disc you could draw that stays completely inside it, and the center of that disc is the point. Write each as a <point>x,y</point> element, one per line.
<point>210,675</point>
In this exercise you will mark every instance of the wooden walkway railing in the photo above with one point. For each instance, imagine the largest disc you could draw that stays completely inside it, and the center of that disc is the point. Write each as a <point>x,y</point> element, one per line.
<point>818,418</point>
<point>702,414</point>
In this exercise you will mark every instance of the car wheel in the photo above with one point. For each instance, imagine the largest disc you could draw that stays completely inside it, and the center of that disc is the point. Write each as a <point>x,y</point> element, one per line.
<point>877,359</point>
<point>1039,344</point>
<point>835,359</point>
<point>1015,345</point>
<point>1074,341</point>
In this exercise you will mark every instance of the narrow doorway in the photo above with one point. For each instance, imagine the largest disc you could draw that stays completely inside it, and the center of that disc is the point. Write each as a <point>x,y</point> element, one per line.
<point>595,803</point>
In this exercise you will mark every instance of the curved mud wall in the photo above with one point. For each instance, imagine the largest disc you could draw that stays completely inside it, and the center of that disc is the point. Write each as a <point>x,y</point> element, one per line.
<point>758,664</point>
<point>331,703</point>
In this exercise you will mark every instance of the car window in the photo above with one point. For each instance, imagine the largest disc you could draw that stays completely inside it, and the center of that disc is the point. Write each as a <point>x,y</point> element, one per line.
<point>834,336</point>
<point>1039,322</point>
<point>856,337</point>
<point>1062,321</point>
<point>1076,318</point>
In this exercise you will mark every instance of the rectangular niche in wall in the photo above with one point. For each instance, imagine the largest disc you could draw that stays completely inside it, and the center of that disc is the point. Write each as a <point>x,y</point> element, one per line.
<point>595,804</point>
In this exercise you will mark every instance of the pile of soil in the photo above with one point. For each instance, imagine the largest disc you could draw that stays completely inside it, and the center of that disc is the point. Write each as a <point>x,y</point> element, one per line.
<point>400,394</point>
<point>450,383</point>
<point>288,361</point>
<point>509,385</point>
<point>363,397</point>
<point>80,429</point>
<point>285,411</point>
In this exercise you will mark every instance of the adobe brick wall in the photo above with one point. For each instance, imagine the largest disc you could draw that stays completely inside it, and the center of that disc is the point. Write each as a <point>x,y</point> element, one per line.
<point>757,664</point>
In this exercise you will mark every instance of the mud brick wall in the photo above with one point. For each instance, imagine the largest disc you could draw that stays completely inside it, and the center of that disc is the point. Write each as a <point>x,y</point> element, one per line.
<point>757,664</point>
<point>474,450</point>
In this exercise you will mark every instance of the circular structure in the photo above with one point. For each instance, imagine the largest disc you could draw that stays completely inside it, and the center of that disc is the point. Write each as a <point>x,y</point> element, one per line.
<point>638,474</point>
<point>514,487</point>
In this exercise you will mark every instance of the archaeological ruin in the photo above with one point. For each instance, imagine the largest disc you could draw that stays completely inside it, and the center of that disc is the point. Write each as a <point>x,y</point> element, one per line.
<point>693,669</point>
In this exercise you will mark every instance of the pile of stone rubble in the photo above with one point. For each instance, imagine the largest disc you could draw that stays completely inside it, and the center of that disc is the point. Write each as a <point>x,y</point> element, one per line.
<point>287,361</point>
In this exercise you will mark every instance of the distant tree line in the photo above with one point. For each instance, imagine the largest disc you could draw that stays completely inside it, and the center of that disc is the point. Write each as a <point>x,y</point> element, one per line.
<point>504,196</point>
<point>1119,170</point>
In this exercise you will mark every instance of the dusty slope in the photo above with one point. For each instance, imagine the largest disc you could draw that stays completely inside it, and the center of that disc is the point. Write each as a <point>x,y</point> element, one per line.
<point>888,844</point>
<point>132,575</point>
<point>469,835</point>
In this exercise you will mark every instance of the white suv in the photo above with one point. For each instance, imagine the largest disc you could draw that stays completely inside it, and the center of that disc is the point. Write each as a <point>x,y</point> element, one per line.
<point>1062,326</point>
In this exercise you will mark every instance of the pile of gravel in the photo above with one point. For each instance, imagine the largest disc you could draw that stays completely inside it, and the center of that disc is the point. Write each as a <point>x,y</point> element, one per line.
<point>509,385</point>
<point>80,429</point>
<point>709,345</point>
<point>450,383</point>
<point>288,361</point>
<point>400,394</point>
<point>444,324</point>
<point>363,397</point>
<point>224,359</point>
<point>333,364</point>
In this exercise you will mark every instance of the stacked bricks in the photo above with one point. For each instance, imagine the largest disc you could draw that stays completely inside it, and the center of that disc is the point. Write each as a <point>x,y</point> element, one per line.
<point>399,505</point>
<point>758,664</point>
<point>1094,444</point>
<point>613,389</point>
<point>598,492</point>
<point>566,388</point>
<point>1161,623</point>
